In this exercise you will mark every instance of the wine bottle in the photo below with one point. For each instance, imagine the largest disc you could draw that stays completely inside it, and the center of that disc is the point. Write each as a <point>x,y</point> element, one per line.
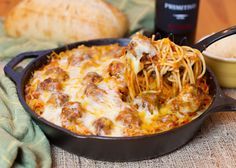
<point>177,19</point>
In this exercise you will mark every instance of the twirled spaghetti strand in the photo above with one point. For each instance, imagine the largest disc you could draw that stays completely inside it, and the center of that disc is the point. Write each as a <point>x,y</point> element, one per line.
<point>171,67</point>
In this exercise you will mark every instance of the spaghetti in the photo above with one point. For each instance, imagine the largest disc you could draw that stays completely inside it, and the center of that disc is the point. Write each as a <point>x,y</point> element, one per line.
<point>144,88</point>
<point>156,66</point>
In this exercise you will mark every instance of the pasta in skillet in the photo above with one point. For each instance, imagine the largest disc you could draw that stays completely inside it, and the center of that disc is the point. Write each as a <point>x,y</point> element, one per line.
<point>144,88</point>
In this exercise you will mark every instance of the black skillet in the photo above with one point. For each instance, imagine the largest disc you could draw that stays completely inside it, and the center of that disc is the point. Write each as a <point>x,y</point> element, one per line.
<point>119,148</point>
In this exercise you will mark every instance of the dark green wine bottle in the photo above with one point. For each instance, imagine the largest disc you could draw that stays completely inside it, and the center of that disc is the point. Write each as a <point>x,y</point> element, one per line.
<point>177,19</point>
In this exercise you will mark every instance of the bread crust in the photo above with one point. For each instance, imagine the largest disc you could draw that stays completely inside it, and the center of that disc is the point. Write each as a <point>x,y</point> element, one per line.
<point>66,21</point>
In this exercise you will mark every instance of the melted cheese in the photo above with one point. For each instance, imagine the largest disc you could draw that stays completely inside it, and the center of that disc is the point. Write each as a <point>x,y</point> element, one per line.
<point>52,114</point>
<point>107,105</point>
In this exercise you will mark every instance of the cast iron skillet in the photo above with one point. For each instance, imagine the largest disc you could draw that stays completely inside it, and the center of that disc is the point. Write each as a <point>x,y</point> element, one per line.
<point>118,148</point>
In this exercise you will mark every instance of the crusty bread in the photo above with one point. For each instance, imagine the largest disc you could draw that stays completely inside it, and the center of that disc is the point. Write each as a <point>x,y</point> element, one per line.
<point>65,20</point>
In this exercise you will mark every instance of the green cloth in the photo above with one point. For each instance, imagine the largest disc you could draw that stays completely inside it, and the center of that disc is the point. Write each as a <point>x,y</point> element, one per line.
<point>139,12</point>
<point>22,144</point>
<point>10,47</point>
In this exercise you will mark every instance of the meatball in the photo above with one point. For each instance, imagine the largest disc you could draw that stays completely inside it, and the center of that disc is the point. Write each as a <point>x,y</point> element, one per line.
<point>92,77</point>
<point>141,44</point>
<point>50,84</point>
<point>103,126</point>
<point>71,113</point>
<point>129,118</point>
<point>94,91</point>
<point>189,100</point>
<point>79,57</point>
<point>149,100</point>
<point>57,73</point>
<point>116,68</point>
<point>58,99</point>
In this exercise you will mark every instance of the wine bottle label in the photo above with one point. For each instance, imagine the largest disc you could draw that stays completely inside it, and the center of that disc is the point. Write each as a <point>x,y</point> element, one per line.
<point>176,16</point>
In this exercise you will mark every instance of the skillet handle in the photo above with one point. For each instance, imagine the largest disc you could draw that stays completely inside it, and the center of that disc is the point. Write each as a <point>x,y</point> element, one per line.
<point>203,44</point>
<point>224,103</point>
<point>9,67</point>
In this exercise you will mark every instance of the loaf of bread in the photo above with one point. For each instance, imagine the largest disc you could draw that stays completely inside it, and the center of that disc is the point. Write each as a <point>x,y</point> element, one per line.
<point>65,20</point>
